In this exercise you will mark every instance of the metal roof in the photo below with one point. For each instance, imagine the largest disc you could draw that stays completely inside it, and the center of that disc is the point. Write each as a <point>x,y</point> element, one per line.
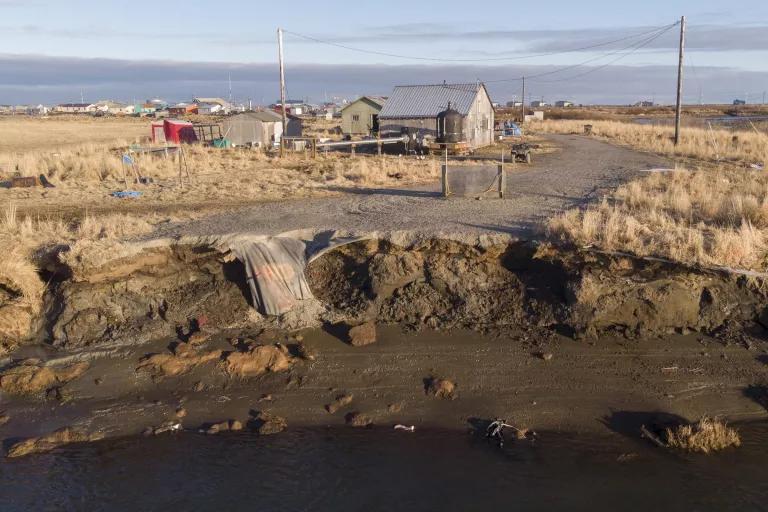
<point>376,100</point>
<point>409,101</point>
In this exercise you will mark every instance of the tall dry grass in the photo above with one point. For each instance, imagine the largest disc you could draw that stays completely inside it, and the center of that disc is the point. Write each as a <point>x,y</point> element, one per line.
<point>708,217</point>
<point>746,147</point>
<point>705,436</point>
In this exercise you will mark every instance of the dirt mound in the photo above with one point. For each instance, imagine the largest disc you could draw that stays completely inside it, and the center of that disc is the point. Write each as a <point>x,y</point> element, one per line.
<point>172,365</point>
<point>441,388</point>
<point>340,402</point>
<point>50,441</point>
<point>256,360</point>
<point>30,377</point>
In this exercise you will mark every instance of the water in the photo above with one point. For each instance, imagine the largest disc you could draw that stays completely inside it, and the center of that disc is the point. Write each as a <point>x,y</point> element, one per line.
<point>372,470</point>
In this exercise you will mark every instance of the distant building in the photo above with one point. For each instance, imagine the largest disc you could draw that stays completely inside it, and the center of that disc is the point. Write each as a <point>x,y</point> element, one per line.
<point>226,107</point>
<point>644,104</point>
<point>414,108</point>
<point>513,104</point>
<point>182,109</point>
<point>739,102</point>
<point>361,117</point>
<point>537,115</point>
<point>207,109</point>
<point>539,104</point>
<point>113,107</point>
<point>563,103</point>
<point>75,108</point>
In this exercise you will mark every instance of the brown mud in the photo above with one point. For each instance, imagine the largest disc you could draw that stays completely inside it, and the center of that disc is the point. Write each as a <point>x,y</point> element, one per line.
<point>553,338</point>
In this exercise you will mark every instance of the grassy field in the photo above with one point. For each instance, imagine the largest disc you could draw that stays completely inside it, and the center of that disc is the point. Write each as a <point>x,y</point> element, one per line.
<point>20,134</point>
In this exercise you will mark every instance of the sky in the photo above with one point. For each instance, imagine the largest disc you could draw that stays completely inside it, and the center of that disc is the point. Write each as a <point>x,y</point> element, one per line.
<point>593,51</point>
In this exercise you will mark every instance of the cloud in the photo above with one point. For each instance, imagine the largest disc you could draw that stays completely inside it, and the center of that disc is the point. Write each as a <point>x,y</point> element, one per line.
<point>33,79</point>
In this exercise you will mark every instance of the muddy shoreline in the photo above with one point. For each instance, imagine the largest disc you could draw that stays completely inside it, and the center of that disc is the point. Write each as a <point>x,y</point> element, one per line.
<point>555,339</point>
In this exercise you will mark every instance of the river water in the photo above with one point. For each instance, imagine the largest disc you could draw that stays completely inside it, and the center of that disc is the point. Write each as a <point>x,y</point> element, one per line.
<point>383,470</point>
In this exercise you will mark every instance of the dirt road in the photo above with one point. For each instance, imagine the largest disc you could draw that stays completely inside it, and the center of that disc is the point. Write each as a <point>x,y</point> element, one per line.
<point>581,171</point>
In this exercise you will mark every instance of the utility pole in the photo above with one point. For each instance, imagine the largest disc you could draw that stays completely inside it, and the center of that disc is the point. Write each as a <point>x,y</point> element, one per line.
<point>282,87</point>
<point>522,105</point>
<point>679,106</point>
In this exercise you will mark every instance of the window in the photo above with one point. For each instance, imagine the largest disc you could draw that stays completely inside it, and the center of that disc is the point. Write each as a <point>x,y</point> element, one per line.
<point>355,117</point>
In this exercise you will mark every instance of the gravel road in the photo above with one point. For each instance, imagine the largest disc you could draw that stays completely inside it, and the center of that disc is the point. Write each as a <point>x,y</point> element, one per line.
<point>582,170</point>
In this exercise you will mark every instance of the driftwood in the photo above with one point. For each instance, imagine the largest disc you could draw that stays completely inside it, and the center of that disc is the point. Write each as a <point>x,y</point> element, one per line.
<point>653,437</point>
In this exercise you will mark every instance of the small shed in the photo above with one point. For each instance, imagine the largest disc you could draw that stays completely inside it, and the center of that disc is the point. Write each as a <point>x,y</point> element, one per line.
<point>361,117</point>
<point>262,128</point>
<point>414,108</point>
<point>178,131</point>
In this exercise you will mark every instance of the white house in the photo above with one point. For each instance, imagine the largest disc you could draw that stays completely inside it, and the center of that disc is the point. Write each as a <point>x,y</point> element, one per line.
<point>75,108</point>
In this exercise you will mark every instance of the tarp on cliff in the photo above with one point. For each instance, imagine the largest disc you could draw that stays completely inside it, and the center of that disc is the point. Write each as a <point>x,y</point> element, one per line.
<point>275,265</point>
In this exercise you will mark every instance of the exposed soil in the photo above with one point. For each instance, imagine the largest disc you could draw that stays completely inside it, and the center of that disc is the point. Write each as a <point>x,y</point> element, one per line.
<point>495,326</point>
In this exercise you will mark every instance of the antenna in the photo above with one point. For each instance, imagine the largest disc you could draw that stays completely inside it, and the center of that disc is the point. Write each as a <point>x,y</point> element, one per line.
<point>230,88</point>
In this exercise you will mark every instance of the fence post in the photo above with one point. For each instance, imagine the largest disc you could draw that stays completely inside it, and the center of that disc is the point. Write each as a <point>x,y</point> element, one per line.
<point>502,181</point>
<point>444,173</point>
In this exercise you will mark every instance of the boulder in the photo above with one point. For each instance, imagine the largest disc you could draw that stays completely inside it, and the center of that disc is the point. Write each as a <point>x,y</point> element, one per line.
<point>363,334</point>
<point>257,360</point>
<point>358,419</point>
<point>340,402</point>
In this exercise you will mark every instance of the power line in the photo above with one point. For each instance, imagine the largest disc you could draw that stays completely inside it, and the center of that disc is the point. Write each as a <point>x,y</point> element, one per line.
<point>436,59</point>
<point>633,47</point>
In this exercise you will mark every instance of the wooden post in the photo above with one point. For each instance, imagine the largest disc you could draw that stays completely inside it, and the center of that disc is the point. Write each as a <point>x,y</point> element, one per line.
<point>444,179</point>
<point>679,105</point>
<point>282,87</point>
<point>502,177</point>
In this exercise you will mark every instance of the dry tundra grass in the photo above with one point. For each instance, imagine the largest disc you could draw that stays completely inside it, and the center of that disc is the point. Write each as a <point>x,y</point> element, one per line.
<point>745,147</point>
<point>716,215</point>
<point>705,436</point>
<point>22,133</point>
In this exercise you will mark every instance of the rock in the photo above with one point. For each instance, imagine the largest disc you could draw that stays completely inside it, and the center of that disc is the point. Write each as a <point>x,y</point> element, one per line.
<point>395,407</point>
<point>223,426</point>
<point>198,387</point>
<point>29,378</point>
<point>181,412</point>
<point>363,334</point>
<point>441,388</point>
<point>267,424</point>
<point>340,402</point>
<point>546,356</point>
<point>257,360</point>
<point>50,441</point>
<point>358,419</point>
<point>4,418</point>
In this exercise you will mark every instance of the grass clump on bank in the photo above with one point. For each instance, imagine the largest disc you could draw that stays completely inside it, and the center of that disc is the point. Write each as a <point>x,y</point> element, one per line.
<point>705,436</point>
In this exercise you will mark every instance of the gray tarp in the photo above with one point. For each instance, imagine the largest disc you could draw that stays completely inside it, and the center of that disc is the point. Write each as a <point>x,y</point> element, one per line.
<point>275,266</point>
